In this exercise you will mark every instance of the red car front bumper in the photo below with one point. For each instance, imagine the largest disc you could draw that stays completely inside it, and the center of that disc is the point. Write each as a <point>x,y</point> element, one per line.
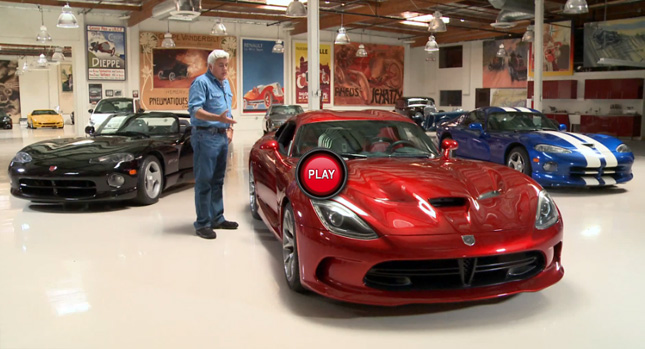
<point>335,267</point>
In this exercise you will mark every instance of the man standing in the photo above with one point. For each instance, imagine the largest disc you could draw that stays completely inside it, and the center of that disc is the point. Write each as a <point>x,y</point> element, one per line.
<point>209,104</point>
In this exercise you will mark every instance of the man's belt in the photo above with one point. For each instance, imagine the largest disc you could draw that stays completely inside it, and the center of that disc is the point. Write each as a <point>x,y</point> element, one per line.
<point>212,129</point>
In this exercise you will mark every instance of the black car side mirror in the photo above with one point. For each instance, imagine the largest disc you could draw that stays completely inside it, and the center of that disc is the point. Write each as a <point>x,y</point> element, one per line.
<point>89,130</point>
<point>90,111</point>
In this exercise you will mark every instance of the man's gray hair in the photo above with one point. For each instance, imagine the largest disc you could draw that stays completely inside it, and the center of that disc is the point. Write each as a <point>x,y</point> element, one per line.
<point>215,55</point>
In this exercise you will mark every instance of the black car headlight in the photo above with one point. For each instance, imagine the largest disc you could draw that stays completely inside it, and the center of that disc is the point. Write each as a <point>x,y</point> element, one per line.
<point>547,213</point>
<point>546,148</point>
<point>21,158</point>
<point>112,158</point>
<point>623,148</point>
<point>340,220</point>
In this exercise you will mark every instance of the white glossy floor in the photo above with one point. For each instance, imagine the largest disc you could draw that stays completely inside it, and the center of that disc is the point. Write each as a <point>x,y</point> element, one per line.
<point>117,276</point>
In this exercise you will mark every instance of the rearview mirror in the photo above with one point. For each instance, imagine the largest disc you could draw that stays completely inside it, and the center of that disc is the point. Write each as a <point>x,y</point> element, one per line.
<point>448,145</point>
<point>563,127</point>
<point>89,130</point>
<point>90,111</point>
<point>476,127</point>
<point>271,144</point>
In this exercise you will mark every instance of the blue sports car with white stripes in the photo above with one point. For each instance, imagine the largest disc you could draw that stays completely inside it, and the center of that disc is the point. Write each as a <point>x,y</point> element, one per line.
<point>528,141</point>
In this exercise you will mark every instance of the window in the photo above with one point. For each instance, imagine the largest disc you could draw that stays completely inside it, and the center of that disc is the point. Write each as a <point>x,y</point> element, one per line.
<point>450,98</point>
<point>451,57</point>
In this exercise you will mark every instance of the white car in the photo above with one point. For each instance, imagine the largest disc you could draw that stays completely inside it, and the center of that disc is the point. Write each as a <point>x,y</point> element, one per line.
<point>108,106</point>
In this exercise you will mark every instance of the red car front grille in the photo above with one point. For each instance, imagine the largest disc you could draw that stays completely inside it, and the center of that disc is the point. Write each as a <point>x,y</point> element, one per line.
<point>458,273</point>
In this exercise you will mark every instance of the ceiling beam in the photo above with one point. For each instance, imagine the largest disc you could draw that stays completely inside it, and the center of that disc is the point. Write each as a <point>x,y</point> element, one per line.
<point>137,17</point>
<point>77,5</point>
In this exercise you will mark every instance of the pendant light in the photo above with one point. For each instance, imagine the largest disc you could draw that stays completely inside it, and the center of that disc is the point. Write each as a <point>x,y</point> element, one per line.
<point>278,47</point>
<point>501,52</point>
<point>58,55</point>
<point>437,25</point>
<point>361,52</point>
<point>342,38</point>
<point>42,60</point>
<point>168,42</point>
<point>67,18</point>
<point>219,28</point>
<point>529,34</point>
<point>431,45</point>
<point>574,7</point>
<point>43,35</point>
<point>296,9</point>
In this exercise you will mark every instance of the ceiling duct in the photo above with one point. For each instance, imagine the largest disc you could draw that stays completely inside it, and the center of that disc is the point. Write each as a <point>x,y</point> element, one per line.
<point>178,10</point>
<point>511,11</point>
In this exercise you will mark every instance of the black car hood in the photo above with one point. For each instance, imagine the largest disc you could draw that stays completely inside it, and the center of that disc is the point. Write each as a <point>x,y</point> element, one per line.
<point>85,148</point>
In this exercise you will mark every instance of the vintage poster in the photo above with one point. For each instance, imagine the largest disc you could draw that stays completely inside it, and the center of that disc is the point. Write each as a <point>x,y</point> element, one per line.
<point>183,63</point>
<point>96,93</point>
<point>557,50</point>
<point>106,53</point>
<point>262,75</point>
<point>9,89</point>
<point>508,71</point>
<point>509,97</point>
<point>66,77</point>
<point>373,80</point>
<point>620,39</point>
<point>302,68</point>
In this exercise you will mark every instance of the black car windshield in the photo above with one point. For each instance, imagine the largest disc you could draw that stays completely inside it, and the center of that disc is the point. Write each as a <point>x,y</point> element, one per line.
<point>140,124</point>
<point>519,121</point>
<point>365,138</point>
<point>286,109</point>
<point>114,106</point>
<point>44,112</point>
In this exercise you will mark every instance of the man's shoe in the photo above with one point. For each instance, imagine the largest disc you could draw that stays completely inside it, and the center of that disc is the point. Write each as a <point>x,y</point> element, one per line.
<point>206,233</point>
<point>225,225</point>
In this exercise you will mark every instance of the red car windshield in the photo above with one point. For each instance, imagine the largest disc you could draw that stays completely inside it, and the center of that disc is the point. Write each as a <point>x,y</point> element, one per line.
<point>365,138</point>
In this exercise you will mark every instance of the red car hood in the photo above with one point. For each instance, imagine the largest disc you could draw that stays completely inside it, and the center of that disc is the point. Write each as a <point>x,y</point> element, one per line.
<point>426,197</point>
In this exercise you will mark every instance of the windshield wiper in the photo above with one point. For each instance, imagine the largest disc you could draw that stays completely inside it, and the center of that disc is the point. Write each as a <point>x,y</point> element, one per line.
<point>131,133</point>
<point>353,155</point>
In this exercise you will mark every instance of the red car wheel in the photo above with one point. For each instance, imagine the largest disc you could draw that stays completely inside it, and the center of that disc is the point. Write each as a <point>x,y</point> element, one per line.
<point>290,258</point>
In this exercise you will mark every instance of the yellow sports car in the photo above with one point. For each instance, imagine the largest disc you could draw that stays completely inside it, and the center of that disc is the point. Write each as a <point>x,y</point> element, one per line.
<point>44,118</point>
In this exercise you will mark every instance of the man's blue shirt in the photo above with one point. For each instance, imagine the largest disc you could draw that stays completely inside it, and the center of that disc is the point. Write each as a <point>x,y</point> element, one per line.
<point>214,97</point>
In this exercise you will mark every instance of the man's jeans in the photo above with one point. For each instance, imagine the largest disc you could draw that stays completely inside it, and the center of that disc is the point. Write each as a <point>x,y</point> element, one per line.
<point>209,163</point>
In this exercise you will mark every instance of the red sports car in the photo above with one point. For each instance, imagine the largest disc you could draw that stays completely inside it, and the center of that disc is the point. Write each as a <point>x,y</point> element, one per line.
<point>411,225</point>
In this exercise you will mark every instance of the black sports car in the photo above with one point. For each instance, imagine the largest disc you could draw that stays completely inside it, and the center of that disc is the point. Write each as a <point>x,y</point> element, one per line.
<point>130,156</point>
<point>5,121</point>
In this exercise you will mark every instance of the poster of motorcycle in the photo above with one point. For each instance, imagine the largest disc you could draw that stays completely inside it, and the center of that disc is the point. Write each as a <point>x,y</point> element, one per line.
<point>620,39</point>
<point>302,69</point>
<point>166,74</point>
<point>106,53</point>
<point>373,80</point>
<point>507,71</point>
<point>557,50</point>
<point>178,67</point>
<point>262,75</point>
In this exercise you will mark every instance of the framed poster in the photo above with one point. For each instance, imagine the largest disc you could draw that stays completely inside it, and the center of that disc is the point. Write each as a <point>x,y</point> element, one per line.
<point>373,80</point>
<point>118,93</point>
<point>109,93</point>
<point>66,77</point>
<point>302,69</point>
<point>166,73</point>
<point>508,71</point>
<point>262,75</point>
<point>96,93</point>
<point>10,88</point>
<point>557,50</point>
<point>106,53</point>
<point>621,39</point>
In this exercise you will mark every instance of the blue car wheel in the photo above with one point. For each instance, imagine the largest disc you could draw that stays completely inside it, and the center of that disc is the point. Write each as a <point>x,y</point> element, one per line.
<point>518,159</point>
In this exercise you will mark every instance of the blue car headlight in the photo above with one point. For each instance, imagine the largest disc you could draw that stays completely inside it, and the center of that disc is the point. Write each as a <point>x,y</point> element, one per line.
<point>546,148</point>
<point>547,213</point>
<point>22,157</point>
<point>113,158</point>
<point>340,220</point>
<point>623,148</point>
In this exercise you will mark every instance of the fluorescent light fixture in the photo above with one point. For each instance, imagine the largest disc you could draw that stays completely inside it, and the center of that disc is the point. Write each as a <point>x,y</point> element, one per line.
<point>415,23</point>
<point>272,8</point>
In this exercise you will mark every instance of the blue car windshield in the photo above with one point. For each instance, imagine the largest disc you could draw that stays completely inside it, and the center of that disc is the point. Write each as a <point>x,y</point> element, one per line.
<point>519,121</point>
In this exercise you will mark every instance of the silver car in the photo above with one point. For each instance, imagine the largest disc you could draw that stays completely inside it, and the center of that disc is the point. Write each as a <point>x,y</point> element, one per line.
<point>277,114</point>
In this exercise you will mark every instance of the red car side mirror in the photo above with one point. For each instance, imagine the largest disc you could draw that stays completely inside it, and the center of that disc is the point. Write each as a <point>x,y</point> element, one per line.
<point>271,144</point>
<point>448,145</point>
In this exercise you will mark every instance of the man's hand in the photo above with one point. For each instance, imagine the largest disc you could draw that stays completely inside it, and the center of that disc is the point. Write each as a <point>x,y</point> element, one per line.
<point>229,135</point>
<point>223,118</point>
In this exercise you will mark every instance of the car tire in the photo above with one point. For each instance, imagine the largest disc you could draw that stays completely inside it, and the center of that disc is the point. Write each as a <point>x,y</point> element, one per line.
<point>253,198</point>
<point>518,159</point>
<point>150,181</point>
<point>160,75</point>
<point>290,259</point>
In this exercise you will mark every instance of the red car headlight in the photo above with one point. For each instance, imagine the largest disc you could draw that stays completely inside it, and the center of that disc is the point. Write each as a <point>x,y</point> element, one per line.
<point>340,220</point>
<point>547,213</point>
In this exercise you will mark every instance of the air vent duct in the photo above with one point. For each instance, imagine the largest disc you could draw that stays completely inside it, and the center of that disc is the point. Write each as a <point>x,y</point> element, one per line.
<point>178,10</point>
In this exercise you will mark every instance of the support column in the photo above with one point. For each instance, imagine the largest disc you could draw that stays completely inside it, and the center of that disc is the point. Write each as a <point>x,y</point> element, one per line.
<point>538,53</point>
<point>313,54</point>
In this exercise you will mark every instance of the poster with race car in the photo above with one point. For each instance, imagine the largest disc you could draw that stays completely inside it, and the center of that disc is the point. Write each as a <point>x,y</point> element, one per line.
<point>262,75</point>
<point>373,80</point>
<point>557,50</point>
<point>507,71</point>
<point>302,68</point>
<point>106,53</point>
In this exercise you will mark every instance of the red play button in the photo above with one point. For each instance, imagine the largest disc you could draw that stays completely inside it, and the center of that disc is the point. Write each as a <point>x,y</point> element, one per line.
<point>321,174</point>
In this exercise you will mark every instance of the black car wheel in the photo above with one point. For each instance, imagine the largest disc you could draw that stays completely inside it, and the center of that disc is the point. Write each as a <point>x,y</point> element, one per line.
<point>518,159</point>
<point>160,75</point>
<point>253,198</point>
<point>150,181</point>
<point>172,76</point>
<point>290,251</point>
